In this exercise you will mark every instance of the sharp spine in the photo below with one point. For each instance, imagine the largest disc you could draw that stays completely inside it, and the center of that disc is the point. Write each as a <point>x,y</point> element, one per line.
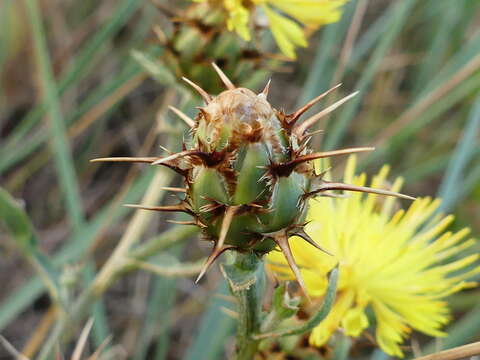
<point>205,96</point>
<point>226,81</point>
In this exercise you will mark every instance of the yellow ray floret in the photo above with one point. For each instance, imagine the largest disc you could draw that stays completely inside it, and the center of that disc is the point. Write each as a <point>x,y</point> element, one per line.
<point>286,18</point>
<point>401,264</point>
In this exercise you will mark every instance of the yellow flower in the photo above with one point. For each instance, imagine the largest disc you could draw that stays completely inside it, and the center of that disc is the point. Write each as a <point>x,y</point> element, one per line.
<point>312,13</point>
<point>287,33</point>
<point>238,17</point>
<point>401,266</point>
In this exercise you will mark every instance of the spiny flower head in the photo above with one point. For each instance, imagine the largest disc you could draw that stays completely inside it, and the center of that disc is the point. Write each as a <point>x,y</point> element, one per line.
<point>248,171</point>
<point>402,266</point>
<point>285,18</point>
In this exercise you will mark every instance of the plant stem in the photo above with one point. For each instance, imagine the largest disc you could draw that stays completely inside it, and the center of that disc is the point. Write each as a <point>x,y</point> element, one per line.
<point>243,278</point>
<point>248,324</point>
<point>134,230</point>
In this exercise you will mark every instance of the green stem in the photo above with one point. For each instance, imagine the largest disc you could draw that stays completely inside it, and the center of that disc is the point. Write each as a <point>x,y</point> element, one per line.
<point>243,278</point>
<point>248,324</point>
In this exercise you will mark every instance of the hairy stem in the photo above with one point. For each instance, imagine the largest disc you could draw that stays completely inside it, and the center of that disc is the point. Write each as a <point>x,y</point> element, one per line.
<point>243,278</point>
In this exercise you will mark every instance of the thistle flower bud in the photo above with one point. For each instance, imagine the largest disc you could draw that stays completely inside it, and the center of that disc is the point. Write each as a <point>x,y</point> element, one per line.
<point>248,172</point>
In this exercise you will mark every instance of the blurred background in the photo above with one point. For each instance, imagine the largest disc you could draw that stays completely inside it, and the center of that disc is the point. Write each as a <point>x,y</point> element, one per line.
<point>86,79</point>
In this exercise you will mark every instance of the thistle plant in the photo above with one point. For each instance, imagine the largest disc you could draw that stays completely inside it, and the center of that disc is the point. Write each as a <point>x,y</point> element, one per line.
<point>249,181</point>
<point>248,174</point>
<point>245,15</point>
<point>197,37</point>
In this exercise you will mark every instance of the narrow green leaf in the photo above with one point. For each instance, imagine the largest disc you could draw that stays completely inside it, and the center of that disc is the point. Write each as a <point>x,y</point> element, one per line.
<point>399,16</point>
<point>23,234</point>
<point>439,41</point>
<point>468,87</point>
<point>323,66</point>
<point>61,148</point>
<point>455,174</point>
<point>215,327</point>
<point>19,299</point>
<point>282,304</point>
<point>57,134</point>
<point>100,330</point>
<point>20,151</point>
<point>316,319</point>
<point>369,38</point>
<point>155,68</point>
<point>82,63</point>
<point>465,54</point>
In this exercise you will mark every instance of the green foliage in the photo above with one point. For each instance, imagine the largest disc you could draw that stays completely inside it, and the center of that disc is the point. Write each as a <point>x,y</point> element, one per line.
<point>21,230</point>
<point>73,87</point>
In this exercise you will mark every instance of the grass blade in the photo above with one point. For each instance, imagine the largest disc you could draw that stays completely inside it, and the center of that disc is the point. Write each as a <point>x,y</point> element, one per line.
<point>83,62</point>
<point>455,174</point>
<point>17,301</point>
<point>399,16</point>
<point>21,229</point>
<point>322,68</point>
<point>61,149</point>
<point>208,346</point>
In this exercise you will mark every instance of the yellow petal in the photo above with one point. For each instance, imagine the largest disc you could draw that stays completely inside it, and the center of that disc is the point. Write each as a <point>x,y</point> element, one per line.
<point>391,329</point>
<point>286,32</point>
<point>355,321</point>
<point>311,12</point>
<point>238,18</point>
<point>325,329</point>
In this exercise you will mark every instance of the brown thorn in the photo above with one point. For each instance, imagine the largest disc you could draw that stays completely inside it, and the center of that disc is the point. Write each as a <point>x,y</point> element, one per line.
<point>304,145</point>
<point>190,222</point>
<point>334,196</point>
<point>301,233</point>
<point>321,174</point>
<point>226,222</point>
<point>182,172</point>
<point>168,208</point>
<point>203,111</point>
<point>325,154</point>
<point>175,189</point>
<point>210,207</point>
<point>205,96</point>
<point>176,156</point>
<point>190,122</point>
<point>226,81</point>
<point>348,187</point>
<point>266,89</point>
<point>282,240</point>
<point>126,159</point>
<point>312,133</point>
<point>284,169</point>
<point>165,149</point>
<point>300,129</point>
<point>296,115</point>
<point>211,258</point>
